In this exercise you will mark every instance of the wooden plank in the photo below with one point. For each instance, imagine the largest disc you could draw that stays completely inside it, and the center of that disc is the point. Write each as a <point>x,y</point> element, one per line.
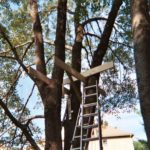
<point>93,71</point>
<point>40,76</point>
<point>65,91</point>
<point>69,70</point>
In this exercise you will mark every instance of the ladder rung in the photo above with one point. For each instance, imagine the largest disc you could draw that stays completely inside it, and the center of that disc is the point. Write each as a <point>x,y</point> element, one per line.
<point>90,126</point>
<point>91,86</point>
<point>89,105</point>
<point>89,95</point>
<point>90,139</point>
<point>78,136</point>
<point>77,148</point>
<point>90,115</point>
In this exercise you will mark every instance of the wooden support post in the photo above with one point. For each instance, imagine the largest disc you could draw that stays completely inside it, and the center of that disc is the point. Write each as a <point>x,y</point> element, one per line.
<point>74,88</point>
<point>65,91</point>
<point>69,107</point>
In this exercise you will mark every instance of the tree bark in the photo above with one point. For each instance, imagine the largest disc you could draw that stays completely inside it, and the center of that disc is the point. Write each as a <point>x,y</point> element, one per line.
<point>53,103</point>
<point>50,94</point>
<point>38,38</point>
<point>141,38</point>
<point>103,45</point>
<point>39,46</point>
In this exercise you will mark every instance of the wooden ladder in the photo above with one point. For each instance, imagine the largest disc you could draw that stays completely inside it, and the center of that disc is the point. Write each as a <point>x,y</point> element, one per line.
<point>85,114</point>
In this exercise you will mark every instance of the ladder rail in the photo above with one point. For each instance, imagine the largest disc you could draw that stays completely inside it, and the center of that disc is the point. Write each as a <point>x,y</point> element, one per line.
<point>99,120</point>
<point>75,129</point>
<point>82,109</point>
<point>91,114</point>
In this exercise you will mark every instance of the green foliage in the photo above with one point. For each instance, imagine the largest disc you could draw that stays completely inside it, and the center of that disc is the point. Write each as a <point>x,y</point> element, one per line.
<point>16,23</point>
<point>9,3</point>
<point>86,9</point>
<point>141,145</point>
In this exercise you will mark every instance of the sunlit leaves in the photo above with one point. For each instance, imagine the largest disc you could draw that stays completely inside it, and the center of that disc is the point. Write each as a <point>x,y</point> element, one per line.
<point>15,21</point>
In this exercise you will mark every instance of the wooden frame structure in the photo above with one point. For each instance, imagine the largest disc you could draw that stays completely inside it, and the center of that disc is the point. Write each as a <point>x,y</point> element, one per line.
<point>91,72</point>
<point>72,74</point>
<point>69,70</point>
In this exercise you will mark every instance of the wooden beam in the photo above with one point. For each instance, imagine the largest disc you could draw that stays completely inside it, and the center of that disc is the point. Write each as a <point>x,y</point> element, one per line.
<point>65,91</point>
<point>40,76</point>
<point>93,71</point>
<point>69,70</point>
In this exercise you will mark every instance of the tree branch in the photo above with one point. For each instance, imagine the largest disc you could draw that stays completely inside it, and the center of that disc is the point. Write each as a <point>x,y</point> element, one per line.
<point>103,45</point>
<point>68,47</point>
<point>93,19</point>
<point>15,52</point>
<point>25,120</point>
<point>37,29</point>
<point>17,76</point>
<point>19,125</point>
<point>7,57</point>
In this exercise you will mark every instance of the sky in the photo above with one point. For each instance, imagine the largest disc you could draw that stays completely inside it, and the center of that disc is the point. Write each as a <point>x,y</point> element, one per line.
<point>130,122</point>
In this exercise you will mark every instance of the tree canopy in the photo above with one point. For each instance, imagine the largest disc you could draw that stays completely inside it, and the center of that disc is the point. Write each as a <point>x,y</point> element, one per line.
<point>84,34</point>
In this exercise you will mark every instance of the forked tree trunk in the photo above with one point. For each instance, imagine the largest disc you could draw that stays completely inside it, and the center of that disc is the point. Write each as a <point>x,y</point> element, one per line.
<point>51,94</point>
<point>141,38</point>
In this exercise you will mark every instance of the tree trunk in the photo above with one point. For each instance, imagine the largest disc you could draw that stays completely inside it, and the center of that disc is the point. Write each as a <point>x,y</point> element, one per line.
<point>69,125</point>
<point>51,95</point>
<point>141,38</point>
<point>53,103</point>
<point>38,38</point>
